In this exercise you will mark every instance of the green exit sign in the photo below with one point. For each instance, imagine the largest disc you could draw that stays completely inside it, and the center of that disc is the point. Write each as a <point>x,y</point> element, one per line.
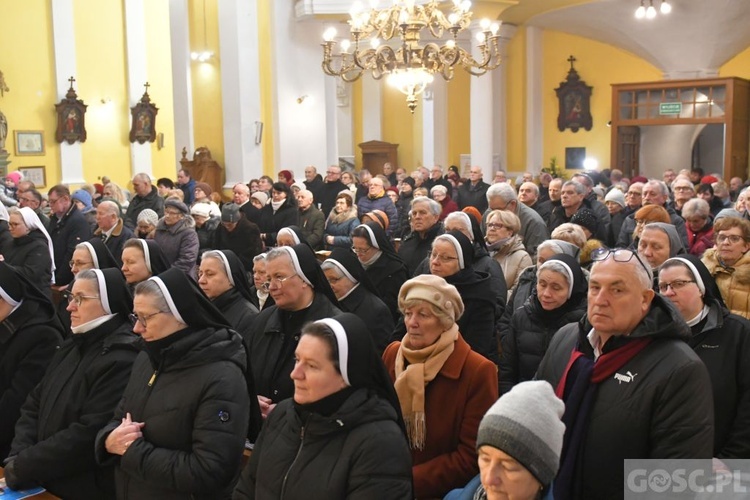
<point>670,108</point>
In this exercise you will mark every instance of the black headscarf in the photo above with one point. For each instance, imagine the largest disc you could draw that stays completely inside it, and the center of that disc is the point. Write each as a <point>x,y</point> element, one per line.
<point>156,261</point>
<point>187,302</point>
<point>381,239</point>
<point>362,367</point>
<point>18,287</point>
<point>307,266</point>
<point>467,273</point>
<point>578,292</point>
<point>103,258</point>
<point>114,292</point>
<point>300,238</point>
<point>236,273</point>
<point>345,258</point>
<point>711,291</point>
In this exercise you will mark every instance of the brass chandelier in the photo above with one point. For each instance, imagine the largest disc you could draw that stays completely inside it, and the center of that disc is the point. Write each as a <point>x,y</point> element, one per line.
<point>410,66</point>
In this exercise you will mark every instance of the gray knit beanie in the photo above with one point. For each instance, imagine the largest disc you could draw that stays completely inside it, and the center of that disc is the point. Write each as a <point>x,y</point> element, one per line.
<point>525,423</point>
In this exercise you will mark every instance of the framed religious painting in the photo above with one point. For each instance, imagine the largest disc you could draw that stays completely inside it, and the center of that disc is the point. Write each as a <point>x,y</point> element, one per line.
<point>143,120</point>
<point>71,114</point>
<point>574,98</point>
<point>37,175</point>
<point>29,142</point>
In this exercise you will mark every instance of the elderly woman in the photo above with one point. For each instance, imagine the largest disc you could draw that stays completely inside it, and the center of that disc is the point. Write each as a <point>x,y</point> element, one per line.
<point>176,236</point>
<point>281,212</point>
<point>357,294</point>
<point>722,341</point>
<point>505,245</point>
<point>301,293</point>
<point>142,259</point>
<point>259,295</point>
<point>146,224</point>
<point>222,278</point>
<point>205,226</point>
<point>54,442</point>
<point>451,258</point>
<point>439,193</point>
<point>558,298</point>
<point>341,222</point>
<point>658,242</point>
<point>381,262</point>
<point>338,377</point>
<point>350,181</point>
<point>32,253</point>
<point>518,456</point>
<point>180,427</point>
<point>699,226</point>
<point>729,263</point>
<point>202,194</point>
<point>29,335</point>
<point>443,386</point>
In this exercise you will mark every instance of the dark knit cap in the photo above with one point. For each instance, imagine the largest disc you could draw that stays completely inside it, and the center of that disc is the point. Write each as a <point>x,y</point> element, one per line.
<point>409,181</point>
<point>586,218</point>
<point>526,424</point>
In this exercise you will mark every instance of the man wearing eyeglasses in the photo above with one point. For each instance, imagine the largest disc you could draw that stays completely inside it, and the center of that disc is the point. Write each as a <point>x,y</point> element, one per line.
<point>330,189</point>
<point>632,386</point>
<point>655,192</point>
<point>68,227</point>
<point>33,199</point>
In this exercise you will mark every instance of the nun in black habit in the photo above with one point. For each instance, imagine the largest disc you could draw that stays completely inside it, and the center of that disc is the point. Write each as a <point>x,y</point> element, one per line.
<point>383,265</point>
<point>29,336</point>
<point>179,430</point>
<point>348,412</point>
<point>301,294</point>
<point>223,279</point>
<point>356,294</point>
<point>142,259</point>
<point>54,442</point>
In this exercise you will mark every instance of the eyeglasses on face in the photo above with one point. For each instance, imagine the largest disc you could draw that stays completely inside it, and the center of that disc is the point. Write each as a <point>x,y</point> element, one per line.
<point>675,285</point>
<point>78,299</point>
<point>361,251</point>
<point>78,263</point>
<point>277,279</point>
<point>134,318</point>
<point>618,255</point>
<point>732,238</point>
<point>442,258</point>
<point>495,225</point>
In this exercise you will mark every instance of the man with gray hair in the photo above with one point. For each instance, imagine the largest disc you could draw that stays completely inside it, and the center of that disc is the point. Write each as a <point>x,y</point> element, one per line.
<point>632,386</point>
<point>599,209</point>
<point>655,192</point>
<point>111,228</point>
<point>437,179</point>
<point>241,197</point>
<point>502,196</point>
<point>425,227</point>
<point>572,198</point>
<point>146,196</point>
<point>311,220</point>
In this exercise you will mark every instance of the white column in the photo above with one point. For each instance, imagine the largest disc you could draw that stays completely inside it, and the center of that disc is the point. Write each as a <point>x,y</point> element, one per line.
<point>372,109</point>
<point>135,39</point>
<point>534,100</point>
<point>435,124</point>
<point>240,88</point>
<point>63,32</point>
<point>500,100</point>
<point>344,119</point>
<point>332,131</point>
<point>182,97</point>
<point>481,122</point>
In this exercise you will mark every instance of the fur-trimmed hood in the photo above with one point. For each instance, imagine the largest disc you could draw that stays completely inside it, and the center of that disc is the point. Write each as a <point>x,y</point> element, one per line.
<point>588,247</point>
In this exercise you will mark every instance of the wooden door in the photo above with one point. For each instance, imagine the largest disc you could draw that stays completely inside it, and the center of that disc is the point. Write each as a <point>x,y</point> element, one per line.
<point>628,150</point>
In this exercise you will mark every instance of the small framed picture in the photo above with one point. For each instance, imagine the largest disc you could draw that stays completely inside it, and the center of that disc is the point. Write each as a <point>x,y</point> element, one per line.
<point>29,142</point>
<point>37,175</point>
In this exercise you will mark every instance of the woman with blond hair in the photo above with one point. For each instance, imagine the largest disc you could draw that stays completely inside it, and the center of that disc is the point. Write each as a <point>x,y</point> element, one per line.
<point>505,245</point>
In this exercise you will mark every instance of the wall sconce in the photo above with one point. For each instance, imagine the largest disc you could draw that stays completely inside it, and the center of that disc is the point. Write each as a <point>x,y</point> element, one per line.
<point>302,98</point>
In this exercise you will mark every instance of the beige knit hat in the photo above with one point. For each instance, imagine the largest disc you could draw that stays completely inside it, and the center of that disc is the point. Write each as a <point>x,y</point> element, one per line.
<point>436,291</point>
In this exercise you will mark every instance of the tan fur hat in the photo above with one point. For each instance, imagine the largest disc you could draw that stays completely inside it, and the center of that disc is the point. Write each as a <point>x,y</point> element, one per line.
<point>436,291</point>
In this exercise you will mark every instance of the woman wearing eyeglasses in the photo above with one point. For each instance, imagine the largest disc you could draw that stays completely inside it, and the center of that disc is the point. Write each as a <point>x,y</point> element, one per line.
<point>729,263</point>
<point>29,335</point>
<point>259,295</point>
<point>722,341</point>
<point>505,245</point>
<point>341,222</point>
<point>54,442</point>
<point>32,253</point>
<point>180,427</point>
<point>175,234</point>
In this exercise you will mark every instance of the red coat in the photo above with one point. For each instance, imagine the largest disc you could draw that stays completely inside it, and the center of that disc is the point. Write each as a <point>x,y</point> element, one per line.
<point>455,402</point>
<point>701,241</point>
<point>448,206</point>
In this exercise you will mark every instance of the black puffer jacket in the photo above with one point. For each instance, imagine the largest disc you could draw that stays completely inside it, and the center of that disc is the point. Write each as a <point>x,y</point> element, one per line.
<point>270,221</point>
<point>30,256</point>
<point>659,407</point>
<point>722,341</point>
<point>29,338</point>
<point>206,235</point>
<point>239,312</point>
<point>415,248</point>
<point>60,419</point>
<point>192,396</point>
<point>373,311</point>
<point>527,339</point>
<point>359,452</point>
<point>271,345</point>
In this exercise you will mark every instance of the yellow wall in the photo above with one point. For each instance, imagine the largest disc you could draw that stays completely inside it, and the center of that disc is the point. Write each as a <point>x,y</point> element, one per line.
<point>599,65</point>
<point>738,65</point>
<point>266,85</point>
<point>459,123</point>
<point>206,79</point>
<point>515,80</point>
<point>399,126</point>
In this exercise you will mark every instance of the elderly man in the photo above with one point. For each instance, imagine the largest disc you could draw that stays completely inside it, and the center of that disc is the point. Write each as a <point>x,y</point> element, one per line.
<point>474,192</point>
<point>68,227</point>
<point>425,227</point>
<point>111,228</point>
<point>499,177</point>
<point>654,193</point>
<point>634,197</point>
<point>573,199</point>
<point>377,200</point>
<point>437,179</point>
<point>186,184</point>
<point>331,189</point>
<point>311,220</point>
<point>33,199</point>
<point>146,196</point>
<point>502,196</point>
<point>632,386</point>
<point>241,198</point>
<point>596,206</point>
<point>683,190</point>
<point>554,192</point>
<point>313,181</point>
<point>735,186</point>
<point>528,194</point>
<point>668,176</point>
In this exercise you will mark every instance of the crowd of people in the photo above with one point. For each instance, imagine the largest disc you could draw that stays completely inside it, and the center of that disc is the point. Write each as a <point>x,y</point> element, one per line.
<point>352,334</point>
